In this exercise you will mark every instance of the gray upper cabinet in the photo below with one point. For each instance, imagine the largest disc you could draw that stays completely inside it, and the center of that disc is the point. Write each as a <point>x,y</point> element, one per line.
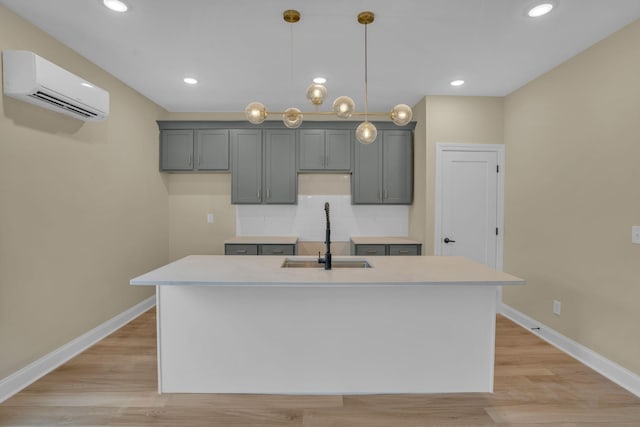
<point>212,149</point>
<point>263,175</point>
<point>246,166</point>
<point>328,150</point>
<point>199,150</point>
<point>176,150</point>
<point>383,170</point>
<point>281,183</point>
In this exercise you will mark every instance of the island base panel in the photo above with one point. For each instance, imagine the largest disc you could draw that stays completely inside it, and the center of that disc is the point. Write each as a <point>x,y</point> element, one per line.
<point>326,340</point>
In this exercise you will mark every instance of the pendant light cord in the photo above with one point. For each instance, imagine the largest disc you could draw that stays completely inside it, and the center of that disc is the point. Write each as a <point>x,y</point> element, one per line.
<point>366,89</point>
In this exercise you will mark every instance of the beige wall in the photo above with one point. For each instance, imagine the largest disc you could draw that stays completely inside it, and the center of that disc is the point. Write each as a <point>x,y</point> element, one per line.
<point>572,194</point>
<point>83,209</point>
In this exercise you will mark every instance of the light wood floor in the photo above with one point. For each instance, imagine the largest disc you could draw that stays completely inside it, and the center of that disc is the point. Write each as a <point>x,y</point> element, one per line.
<point>114,383</point>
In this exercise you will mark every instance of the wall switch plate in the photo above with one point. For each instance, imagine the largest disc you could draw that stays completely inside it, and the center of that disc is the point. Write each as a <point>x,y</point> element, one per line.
<point>556,307</point>
<point>210,218</point>
<point>635,234</point>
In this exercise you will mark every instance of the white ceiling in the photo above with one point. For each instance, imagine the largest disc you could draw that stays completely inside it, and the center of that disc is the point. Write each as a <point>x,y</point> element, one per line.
<point>240,50</point>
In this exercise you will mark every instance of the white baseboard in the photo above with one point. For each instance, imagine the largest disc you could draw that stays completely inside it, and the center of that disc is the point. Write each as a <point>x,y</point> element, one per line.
<point>611,370</point>
<point>47,363</point>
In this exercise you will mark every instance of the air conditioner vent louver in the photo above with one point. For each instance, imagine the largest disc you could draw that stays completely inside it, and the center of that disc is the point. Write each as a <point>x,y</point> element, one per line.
<point>62,104</point>
<point>31,78</point>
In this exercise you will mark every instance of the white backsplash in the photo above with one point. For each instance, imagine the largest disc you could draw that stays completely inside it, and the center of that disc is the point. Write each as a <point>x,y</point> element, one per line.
<point>307,221</point>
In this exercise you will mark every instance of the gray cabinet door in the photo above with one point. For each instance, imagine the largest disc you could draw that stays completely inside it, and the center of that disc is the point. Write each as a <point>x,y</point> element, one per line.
<point>280,167</point>
<point>337,150</point>
<point>176,150</point>
<point>312,146</point>
<point>367,173</point>
<point>246,171</point>
<point>397,170</point>
<point>325,150</point>
<point>213,149</point>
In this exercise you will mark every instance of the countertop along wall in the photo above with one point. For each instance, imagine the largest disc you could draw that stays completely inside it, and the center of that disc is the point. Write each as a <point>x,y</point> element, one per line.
<point>83,208</point>
<point>572,194</point>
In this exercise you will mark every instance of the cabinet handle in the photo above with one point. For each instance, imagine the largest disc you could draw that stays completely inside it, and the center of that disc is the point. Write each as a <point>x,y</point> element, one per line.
<point>268,194</point>
<point>278,251</point>
<point>190,160</point>
<point>199,158</point>
<point>380,195</point>
<point>386,194</point>
<point>259,193</point>
<point>241,251</point>
<point>403,252</point>
<point>372,251</point>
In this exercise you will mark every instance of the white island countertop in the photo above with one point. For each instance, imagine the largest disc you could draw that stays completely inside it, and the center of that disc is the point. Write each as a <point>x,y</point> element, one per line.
<point>225,270</point>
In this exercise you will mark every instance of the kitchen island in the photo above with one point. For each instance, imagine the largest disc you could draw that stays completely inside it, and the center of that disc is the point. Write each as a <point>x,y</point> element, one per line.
<point>237,324</point>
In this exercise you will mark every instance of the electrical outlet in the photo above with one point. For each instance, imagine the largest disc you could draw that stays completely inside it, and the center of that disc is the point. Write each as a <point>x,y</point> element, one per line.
<point>635,234</point>
<point>556,307</point>
<point>210,218</point>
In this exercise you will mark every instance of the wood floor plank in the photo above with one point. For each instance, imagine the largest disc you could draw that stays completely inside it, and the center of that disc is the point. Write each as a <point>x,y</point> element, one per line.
<point>114,383</point>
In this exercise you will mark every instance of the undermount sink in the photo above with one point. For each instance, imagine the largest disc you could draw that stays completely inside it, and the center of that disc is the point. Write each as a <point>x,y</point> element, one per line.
<point>335,263</point>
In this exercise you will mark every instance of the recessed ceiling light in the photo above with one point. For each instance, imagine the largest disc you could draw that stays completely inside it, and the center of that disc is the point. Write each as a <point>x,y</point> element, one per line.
<point>457,83</point>
<point>320,80</point>
<point>190,80</point>
<point>116,5</point>
<point>540,10</point>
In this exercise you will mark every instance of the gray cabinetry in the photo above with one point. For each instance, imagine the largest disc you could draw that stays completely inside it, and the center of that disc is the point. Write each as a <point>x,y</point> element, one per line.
<point>176,148</point>
<point>261,245</point>
<point>199,150</point>
<point>212,148</point>
<point>364,246</point>
<point>383,170</point>
<point>263,174</point>
<point>246,166</point>
<point>325,150</point>
<point>281,184</point>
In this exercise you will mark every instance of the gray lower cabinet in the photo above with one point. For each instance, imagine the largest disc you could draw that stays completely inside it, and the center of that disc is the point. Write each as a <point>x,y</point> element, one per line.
<point>325,150</point>
<point>383,170</point>
<point>386,249</point>
<point>199,150</point>
<point>259,249</point>
<point>263,172</point>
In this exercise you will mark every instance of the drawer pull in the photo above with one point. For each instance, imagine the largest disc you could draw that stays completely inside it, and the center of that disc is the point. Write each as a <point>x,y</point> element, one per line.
<point>372,251</point>
<point>403,252</point>
<point>241,251</point>
<point>279,251</point>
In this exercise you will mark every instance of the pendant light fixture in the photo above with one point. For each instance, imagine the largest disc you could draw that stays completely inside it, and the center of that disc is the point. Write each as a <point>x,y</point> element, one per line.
<point>343,106</point>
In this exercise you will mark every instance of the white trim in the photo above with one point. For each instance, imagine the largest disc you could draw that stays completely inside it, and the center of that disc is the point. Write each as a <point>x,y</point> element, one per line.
<point>47,363</point>
<point>611,370</point>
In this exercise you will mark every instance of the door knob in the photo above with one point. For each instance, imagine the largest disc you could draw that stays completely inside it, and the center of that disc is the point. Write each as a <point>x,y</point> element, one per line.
<point>448,240</point>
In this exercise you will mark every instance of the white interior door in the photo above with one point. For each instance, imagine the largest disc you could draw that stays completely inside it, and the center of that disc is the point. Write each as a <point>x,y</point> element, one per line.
<point>468,203</point>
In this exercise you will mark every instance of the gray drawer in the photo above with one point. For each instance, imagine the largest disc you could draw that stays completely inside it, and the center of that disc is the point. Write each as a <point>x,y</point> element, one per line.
<point>370,250</point>
<point>238,249</point>
<point>277,249</point>
<point>404,250</point>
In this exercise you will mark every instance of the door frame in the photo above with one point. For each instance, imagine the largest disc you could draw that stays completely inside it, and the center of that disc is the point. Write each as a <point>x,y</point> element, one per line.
<point>441,148</point>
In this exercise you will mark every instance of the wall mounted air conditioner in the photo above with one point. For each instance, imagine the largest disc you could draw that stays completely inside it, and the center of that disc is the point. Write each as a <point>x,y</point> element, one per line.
<point>31,78</point>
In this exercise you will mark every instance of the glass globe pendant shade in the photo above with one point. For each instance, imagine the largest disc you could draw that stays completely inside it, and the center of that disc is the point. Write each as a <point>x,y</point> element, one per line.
<point>256,113</point>
<point>401,114</point>
<point>292,118</point>
<point>316,93</point>
<point>344,107</point>
<point>366,133</point>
